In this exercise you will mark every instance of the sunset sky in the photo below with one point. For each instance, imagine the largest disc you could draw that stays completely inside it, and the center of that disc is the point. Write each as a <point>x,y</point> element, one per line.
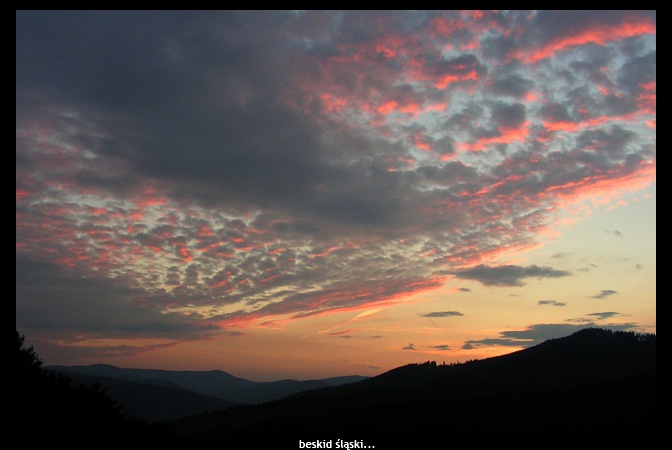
<point>307,194</point>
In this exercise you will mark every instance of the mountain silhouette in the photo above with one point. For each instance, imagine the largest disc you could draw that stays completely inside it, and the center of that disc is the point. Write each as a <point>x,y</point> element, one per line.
<point>216,389</point>
<point>152,400</point>
<point>212,382</point>
<point>595,383</point>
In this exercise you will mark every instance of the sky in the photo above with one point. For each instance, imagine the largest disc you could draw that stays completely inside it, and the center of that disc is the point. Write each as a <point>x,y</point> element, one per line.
<point>308,194</point>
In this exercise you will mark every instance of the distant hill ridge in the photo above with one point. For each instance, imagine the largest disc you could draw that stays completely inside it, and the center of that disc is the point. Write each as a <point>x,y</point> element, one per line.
<point>152,400</point>
<point>216,389</point>
<point>212,382</point>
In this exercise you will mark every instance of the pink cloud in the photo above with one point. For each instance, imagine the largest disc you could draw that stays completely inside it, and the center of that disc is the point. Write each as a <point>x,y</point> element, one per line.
<point>507,136</point>
<point>596,34</point>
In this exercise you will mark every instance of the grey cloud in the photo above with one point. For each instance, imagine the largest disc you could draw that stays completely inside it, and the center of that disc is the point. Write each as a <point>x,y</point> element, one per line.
<point>497,47</point>
<point>542,332</point>
<point>594,68</point>
<point>207,150</point>
<point>441,347</point>
<point>509,275</point>
<point>551,302</point>
<point>612,141</point>
<point>538,333</point>
<point>358,26</point>
<point>508,115</point>
<point>491,341</point>
<point>637,71</point>
<point>604,315</point>
<point>131,61</point>
<point>605,293</point>
<point>556,112</point>
<point>232,160</point>
<point>409,347</point>
<point>449,174</point>
<point>93,305</point>
<point>233,333</point>
<point>513,85</point>
<point>581,320</point>
<point>464,119</point>
<point>461,65</point>
<point>616,105</point>
<point>615,233</point>
<point>442,314</point>
<point>444,146</point>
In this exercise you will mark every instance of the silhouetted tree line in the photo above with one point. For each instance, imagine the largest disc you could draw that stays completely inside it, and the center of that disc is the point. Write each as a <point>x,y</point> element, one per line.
<point>49,408</point>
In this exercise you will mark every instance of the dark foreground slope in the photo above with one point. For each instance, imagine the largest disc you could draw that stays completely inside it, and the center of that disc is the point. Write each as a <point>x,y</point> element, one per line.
<point>594,383</point>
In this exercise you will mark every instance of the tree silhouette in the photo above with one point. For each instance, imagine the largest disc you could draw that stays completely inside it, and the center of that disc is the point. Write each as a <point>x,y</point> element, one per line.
<point>26,358</point>
<point>48,409</point>
<point>49,402</point>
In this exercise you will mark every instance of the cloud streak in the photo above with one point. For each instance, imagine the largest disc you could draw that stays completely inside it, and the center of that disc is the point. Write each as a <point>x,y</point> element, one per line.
<point>551,303</point>
<point>441,347</point>
<point>442,314</point>
<point>603,315</point>
<point>508,275</point>
<point>605,293</point>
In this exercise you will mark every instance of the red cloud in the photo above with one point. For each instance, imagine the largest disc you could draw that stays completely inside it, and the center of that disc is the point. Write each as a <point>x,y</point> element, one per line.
<point>21,193</point>
<point>647,98</point>
<point>590,122</point>
<point>598,34</point>
<point>507,136</point>
<point>607,185</point>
